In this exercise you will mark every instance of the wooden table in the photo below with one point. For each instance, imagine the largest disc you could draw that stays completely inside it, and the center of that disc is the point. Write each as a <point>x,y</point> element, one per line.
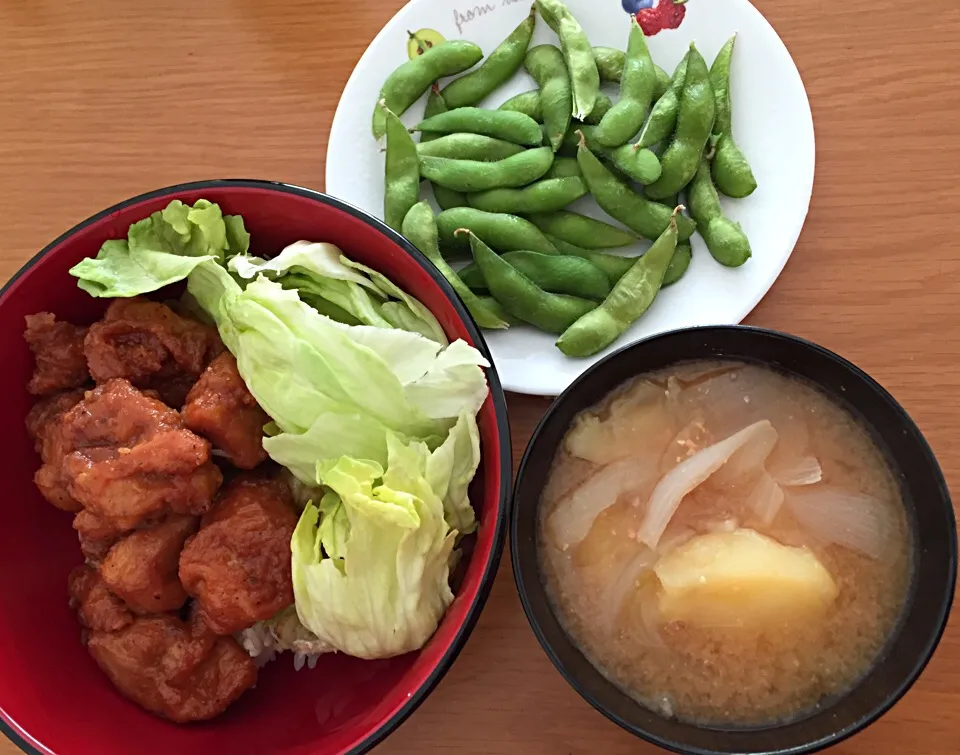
<point>103,99</point>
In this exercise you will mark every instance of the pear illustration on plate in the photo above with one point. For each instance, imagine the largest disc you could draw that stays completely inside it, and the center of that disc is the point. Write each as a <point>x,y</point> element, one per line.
<point>421,41</point>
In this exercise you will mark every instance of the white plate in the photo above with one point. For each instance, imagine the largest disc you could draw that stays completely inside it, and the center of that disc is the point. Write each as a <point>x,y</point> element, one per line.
<point>773,124</point>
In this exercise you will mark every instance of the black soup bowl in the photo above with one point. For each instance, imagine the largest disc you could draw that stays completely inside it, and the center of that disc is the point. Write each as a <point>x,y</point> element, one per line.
<point>924,492</point>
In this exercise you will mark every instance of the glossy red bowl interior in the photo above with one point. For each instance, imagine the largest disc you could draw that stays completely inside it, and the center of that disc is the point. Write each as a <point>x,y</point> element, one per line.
<point>53,697</point>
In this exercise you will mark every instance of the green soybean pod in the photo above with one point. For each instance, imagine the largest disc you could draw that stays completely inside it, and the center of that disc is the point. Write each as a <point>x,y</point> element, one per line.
<point>601,107</point>
<point>505,233</point>
<point>447,199</point>
<point>627,303</point>
<point>472,277</point>
<point>613,265</point>
<point>663,115</point>
<point>678,264</point>
<point>469,147</point>
<point>694,127</point>
<point>494,306</point>
<point>555,274</point>
<point>640,164</point>
<point>577,52</point>
<point>583,231</point>
<point>407,83</point>
<point>473,175</point>
<point>546,65</point>
<point>649,219</point>
<point>435,106</point>
<point>731,170</point>
<point>527,103</point>
<point>610,62</point>
<point>401,186</point>
<point>521,297</point>
<point>725,239</point>
<point>563,167</point>
<point>500,124</point>
<point>661,83</point>
<point>546,195</point>
<point>623,120</point>
<point>420,229</point>
<point>558,274</point>
<point>495,71</point>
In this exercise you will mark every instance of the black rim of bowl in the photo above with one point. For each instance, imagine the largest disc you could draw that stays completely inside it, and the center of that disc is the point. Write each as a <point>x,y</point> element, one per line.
<point>537,606</point>
<point>496,391</point>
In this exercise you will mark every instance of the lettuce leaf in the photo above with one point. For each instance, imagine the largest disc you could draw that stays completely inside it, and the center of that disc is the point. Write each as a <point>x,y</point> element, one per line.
<point>450,470</point>
<point>372,579</point>
<point>162,249</point>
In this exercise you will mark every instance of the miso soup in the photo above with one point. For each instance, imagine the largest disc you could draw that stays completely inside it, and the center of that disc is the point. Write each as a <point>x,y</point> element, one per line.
<point>725,544</point>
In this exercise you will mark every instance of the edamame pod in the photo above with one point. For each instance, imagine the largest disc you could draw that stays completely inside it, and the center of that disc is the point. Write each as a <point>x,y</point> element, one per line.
<point>546,65</point>
<point>725,239</point>
<point>547,195</point>
<point>435,105</point>
<point>694,126</point>
<point>577,52</point>
<point>407,83</point>
<point>494,306</point>
<point>623,120</point>
<point>420,229</point>
<point>500,124</point>
<point>663,115</point>
<point>447,199</point>
<point>613,265</point>
<point>619,201</point>
<point>473,175</point>
<point>553,273</point>
<point>520,296</point>
<point>469,147</point>
<point>610,62</point>
<point>731,171</point>
<point>627,303</point>
<point>496,70</point>
<point>401,186</point>
<point>638,163</point>
<point>527,103</point>
<point>583,231</point>
<point>563,167</point>
<point>678,265</point>
<point>505,233</point>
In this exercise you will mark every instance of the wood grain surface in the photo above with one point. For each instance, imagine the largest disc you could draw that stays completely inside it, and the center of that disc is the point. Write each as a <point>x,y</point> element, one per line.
<point>103,99</point>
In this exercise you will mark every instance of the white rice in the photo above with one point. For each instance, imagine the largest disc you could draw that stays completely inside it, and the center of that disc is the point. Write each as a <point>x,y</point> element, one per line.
<point>267,639</point>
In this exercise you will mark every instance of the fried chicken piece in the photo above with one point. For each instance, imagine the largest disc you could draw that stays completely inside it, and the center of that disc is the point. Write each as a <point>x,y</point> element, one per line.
<point>142,567</point>
<point>238,565</point>
<point>219,407</point>
<point>97,536</point>
<point>44,425</point>
<point>150,345</point>
<point>179,671</point>
<point>58,350</point>
<point>98,609</point>
<point>128,458</point>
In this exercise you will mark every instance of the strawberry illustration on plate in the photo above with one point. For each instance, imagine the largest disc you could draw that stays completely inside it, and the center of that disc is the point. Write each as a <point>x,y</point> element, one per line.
<point>656,15</point>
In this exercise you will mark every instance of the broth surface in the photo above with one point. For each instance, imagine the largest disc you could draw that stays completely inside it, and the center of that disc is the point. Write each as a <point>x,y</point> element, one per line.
<point>710,674</point>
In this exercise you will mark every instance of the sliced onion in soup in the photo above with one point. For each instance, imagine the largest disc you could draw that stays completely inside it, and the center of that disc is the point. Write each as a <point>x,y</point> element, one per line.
<point>627,584</point>
<point>683,478</point>
<point>854,521</point>
<point>575,514</point>
<point>766,499</point>
<point>803,470</point>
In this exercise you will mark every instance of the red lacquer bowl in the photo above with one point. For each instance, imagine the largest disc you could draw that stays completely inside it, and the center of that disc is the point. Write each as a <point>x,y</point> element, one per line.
<point>53,697</point>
